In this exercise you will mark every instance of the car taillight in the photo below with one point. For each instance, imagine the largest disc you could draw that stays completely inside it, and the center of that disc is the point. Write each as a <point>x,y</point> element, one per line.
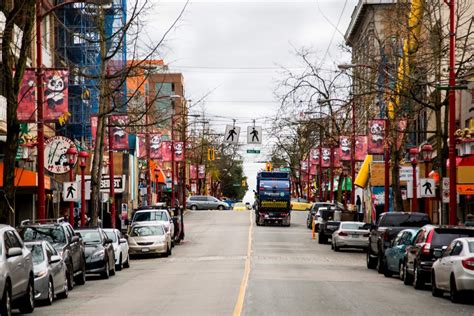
<point>468,263</point>
<point>426,249</point>
<point>262,188</point>
<point>342,234</point>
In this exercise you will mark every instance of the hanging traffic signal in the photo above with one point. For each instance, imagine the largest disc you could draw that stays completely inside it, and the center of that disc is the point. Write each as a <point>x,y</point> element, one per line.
<point>211,154</point>
<point>268,166</point>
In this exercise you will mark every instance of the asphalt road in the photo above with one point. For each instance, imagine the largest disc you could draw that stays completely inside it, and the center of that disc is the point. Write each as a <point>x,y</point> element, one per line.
<point>286,273</point>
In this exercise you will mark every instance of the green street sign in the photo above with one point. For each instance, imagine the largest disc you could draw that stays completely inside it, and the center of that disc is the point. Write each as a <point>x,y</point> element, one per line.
<point>253,151</point>
<point>285,169</point>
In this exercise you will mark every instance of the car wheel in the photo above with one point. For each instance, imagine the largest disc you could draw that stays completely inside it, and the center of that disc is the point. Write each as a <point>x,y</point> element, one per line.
<point>220,208</point>
<point>386,272</point>
<point>434,290</point>
<point>371,262</point>
<point>112,270</point>
<point>27,304</point>
<point>6,303</point>
<point>401,271</point>
<point>50,298</point>
<point>453,291</point>
<point>170,252</point>
<point>118,267</point>
<point>126,264</point>
<point>106,273</point>
<point>167,253</point>
<point>380,263</point>
<point>65,292</point>
<point>81,278</point>
<point>418,280</point>
<point>194,207</point>
<point>336,248</point>
<point>407,278</point>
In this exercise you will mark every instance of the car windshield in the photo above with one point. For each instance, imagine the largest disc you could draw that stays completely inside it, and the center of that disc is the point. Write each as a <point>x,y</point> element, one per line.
<point>111,235</point>
<point>404,220</point>
<point>36,253</point>
<point>444,237</point>
<point>150,216</point>
<point>52,234</point>
<point>352,225</point>
<point>141,231</point>
<point>270,185</point>
<point>471,246</point>
<point>91,237</point>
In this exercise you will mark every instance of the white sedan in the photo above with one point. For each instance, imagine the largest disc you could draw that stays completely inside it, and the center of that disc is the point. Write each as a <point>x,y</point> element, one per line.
<point>350,235</point>
<point>122,258</point>
<point>453,272</point>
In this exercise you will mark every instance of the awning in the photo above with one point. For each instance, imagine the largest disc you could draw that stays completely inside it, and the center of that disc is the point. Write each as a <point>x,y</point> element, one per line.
<point>26,178</point>
<point>161,177</point>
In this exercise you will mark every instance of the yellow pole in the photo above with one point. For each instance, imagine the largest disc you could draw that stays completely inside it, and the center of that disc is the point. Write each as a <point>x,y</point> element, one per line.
<point>313,228</point>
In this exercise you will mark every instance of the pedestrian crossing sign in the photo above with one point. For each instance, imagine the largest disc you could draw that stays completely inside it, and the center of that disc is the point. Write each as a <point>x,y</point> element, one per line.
<point>428,188</point>
<point>254,134</point>
<point>70,192</point>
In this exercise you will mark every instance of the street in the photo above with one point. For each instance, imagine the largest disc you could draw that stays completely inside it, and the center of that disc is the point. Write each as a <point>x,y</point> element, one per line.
<point>289,274</point>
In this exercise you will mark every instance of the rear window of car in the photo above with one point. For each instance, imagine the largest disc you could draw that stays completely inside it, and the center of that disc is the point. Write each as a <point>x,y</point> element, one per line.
<point>471,246</point>
<point>52,234</point>
<point>442,237</point>
<point>352,225</point>
<point>150,216</point>
<point>111,235</point>
<point>404,220</point>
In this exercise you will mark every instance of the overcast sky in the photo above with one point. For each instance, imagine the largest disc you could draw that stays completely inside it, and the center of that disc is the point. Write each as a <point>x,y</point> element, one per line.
<point>233,50</point>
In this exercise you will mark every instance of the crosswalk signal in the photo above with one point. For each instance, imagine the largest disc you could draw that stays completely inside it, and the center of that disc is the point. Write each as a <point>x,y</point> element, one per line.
<point>268,166</point>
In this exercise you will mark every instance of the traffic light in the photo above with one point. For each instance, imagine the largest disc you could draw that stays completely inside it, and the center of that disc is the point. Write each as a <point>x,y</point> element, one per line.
<point>244,183</point>
<point>268,166</point>
<point>211,154</point>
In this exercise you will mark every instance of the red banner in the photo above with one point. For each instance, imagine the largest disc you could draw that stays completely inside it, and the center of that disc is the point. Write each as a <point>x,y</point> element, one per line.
<point>376,137</point>
<point>119,139</point>
<point>55,93</point>
<point>304,166</point>
<point>141,141</point>
<point>313,170</point>
<point>326,158</point>
<point>193,172</point>
<point>166,150</point>
<point>178,151</point>
<point>155,146</point>
<point>201,171</point>
<point>345,147</point>
<point>360,148</point>
<point>314,156</point>
<point>26,98</point>
<point>336,158</point>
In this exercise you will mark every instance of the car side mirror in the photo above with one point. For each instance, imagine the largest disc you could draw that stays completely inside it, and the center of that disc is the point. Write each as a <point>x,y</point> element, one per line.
<point>14,252</point>
<point>108,241</point>
<point>75,239</point>
<point>78,234</point>
<point>55,259</point>
<point>123,240</point>
<point>438,253</point>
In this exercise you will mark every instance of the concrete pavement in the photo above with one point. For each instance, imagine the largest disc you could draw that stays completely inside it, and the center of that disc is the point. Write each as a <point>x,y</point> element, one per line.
<point>289,274</point>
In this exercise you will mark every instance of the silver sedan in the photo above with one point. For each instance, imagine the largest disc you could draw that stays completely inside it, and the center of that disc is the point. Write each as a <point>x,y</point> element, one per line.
<point>149,238</point>
<point>350,235</point>
<point>50,272</point>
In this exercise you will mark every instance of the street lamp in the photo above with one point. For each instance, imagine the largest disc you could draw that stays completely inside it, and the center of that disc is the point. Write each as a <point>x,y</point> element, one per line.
<point>156,185</point>
<point>426,154</point>
<point>413,154</point>
<point>82,163</point>
<point>71,154</point>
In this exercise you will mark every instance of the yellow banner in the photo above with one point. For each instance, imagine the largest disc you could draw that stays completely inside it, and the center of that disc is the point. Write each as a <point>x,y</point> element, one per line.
<point>274,204</point>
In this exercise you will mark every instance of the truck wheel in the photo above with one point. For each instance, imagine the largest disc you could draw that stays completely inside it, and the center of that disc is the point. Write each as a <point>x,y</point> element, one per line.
<point>380,266</point>
<point>371,262</point>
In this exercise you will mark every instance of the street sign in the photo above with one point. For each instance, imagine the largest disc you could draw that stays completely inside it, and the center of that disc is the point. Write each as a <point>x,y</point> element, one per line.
<point>445,191</point>
<point>428,188</point>
<point>410,189</point>
<point>254,134</point>
<point>232,133</point>
<point>285,169</point>
<point>70,192</point>
<point>406,173</point>
<point>253,151</point>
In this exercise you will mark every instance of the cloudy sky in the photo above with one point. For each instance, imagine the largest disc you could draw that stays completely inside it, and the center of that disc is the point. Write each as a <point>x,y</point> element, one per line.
<point>231,52</point>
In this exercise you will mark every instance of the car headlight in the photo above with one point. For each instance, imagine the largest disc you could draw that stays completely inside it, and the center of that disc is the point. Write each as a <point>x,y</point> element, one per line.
<point>41,273</point>
<point>98,254</point>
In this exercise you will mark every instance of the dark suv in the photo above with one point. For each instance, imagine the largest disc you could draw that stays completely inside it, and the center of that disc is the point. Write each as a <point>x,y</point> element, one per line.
<point>429,241</point>
<point>63,238</point>
<point>386,229</point>
<point>313,213</point>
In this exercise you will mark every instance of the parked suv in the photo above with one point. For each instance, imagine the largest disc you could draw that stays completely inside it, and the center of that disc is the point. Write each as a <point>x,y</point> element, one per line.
<point>314,213</point>
<point>203,202</point>
<point>161,216</point>
<point>386,229</point>
<point>62,237</point>
<point>422,252</point>
<point>16,273</point>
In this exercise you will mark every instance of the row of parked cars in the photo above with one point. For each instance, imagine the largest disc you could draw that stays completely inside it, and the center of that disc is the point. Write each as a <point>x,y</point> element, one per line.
<point>40,262</point>
<point>406,245</point>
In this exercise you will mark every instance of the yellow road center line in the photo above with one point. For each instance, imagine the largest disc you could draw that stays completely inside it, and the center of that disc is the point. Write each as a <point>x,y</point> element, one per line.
<point>243,285</point>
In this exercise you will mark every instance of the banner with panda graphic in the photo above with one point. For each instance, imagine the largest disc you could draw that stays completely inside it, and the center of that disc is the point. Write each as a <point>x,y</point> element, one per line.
<point>376,137</point>
<point>345,148</point>
<point>55,83</point>
<point>119,137</point>
<point>360,148</point>
<point>193,175</point>
<point>26,111</point>
<point>314,156</point>
<point>178,151</point>
<point>166,150</point>
<point>155,146</point>
<point>325,157</point>
<point>336,158</point>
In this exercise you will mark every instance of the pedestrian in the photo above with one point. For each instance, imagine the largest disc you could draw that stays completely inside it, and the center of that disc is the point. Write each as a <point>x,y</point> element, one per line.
<point>358,204</point>
<point>469,220</point>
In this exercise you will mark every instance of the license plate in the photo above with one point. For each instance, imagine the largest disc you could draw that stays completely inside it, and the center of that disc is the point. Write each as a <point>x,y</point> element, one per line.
<point>355,236</point>
<point>145,249</point>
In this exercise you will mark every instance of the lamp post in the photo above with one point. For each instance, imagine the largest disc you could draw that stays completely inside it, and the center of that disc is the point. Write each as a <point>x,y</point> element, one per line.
<point>156,185</point>
<point>426,153</point>
<point>82,163</point>
<point>71,154</point>
<point>413,155</point>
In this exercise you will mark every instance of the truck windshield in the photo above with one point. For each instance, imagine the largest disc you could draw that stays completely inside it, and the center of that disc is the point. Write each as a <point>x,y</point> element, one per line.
<point>268,185</point>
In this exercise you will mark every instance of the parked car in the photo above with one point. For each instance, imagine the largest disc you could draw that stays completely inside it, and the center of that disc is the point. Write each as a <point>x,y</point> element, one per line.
<point>395,255</point>
<point>100,258</point>
<point>239,207</point>
<point>329,220</point>
<point>176,215</point>
<point>454,271</point>
<point>120,244</point>
<point>149,238</point>
<point>161,216</point>
<point>50,272</point>
<point>300,204</point>
<point>385,230</point>
<point>314,214</point>
<point>202,202</point>
<point>17,281</point>
<point>326,230</point>
<point>350,235</point>
<point>421,254</point>
<point>64,239</point>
